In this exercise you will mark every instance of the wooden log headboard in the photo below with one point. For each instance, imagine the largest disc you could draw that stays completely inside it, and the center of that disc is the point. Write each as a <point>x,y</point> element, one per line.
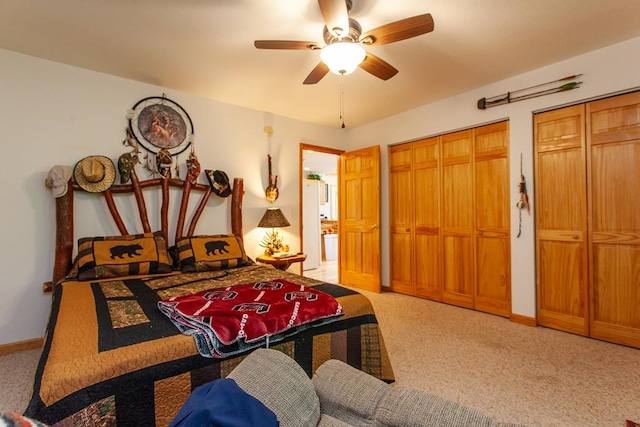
<point>65,239</point>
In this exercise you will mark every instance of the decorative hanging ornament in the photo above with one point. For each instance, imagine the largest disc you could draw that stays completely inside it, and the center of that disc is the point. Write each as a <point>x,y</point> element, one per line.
<point>523,203</point>
<point>163,163</point>
<point>193,168</point>
<point>528,92</point>
<point>127,161</point>
<point>272,191</point>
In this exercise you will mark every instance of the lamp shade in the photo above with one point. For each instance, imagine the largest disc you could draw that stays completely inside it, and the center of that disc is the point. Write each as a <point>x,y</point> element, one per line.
<point>272,218</point>
<point>343,57</point>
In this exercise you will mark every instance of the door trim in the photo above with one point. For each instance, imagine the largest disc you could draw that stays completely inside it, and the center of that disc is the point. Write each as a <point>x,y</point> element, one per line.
<point>319,149</point>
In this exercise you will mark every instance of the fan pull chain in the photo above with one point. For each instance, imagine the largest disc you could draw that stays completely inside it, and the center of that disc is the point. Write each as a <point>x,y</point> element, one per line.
<point>341,101</point>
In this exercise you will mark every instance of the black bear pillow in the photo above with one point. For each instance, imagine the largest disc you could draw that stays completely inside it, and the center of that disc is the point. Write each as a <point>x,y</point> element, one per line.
<point>206,253</point>
<point>118,256</point>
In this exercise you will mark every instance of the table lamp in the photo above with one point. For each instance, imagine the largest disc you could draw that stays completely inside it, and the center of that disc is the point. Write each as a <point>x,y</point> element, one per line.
<point>272,242</point>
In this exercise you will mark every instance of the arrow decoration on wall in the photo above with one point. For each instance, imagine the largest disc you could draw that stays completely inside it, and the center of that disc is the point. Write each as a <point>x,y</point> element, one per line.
<point>530,92</point>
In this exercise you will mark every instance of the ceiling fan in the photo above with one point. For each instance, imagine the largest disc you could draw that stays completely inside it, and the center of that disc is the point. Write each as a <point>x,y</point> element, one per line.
<point>344,42</point>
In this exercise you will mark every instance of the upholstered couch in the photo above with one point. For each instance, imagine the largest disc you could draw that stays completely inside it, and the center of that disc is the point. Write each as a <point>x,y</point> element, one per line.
<point>341,396</point>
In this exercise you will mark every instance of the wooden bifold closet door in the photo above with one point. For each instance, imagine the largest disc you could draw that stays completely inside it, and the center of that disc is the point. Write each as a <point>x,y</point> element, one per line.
<point>449,218</point>
<point>588,219</point>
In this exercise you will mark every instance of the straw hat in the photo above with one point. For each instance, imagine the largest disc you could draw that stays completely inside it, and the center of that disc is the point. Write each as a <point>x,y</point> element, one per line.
<point>95,174</point>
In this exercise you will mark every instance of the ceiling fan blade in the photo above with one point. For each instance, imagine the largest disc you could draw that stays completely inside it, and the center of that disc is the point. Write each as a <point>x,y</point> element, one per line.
<point>399,30</point>
<point>336,16</point>
<point>378,67</point>
<point>316,74</point>
<point>285,44</point>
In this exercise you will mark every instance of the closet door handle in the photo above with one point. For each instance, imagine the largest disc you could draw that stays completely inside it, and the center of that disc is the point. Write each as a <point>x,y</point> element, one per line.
<point>374,226</point>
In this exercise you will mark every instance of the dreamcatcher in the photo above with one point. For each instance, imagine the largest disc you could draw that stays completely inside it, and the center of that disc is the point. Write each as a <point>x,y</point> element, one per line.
<point>164,130</point>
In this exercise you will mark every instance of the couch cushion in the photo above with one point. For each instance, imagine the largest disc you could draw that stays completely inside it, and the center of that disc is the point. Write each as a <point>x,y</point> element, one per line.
<point>348,394</point>
<point>329,421</point>
<point>281,384</point>
<point>403,406</point>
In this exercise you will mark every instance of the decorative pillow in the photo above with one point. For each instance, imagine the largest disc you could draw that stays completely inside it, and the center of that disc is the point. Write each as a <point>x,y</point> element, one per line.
<point>117,256</point>
<point>206,253</point>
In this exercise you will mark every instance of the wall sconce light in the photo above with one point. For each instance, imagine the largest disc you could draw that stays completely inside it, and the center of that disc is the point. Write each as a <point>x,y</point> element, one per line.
<point>272,242</point>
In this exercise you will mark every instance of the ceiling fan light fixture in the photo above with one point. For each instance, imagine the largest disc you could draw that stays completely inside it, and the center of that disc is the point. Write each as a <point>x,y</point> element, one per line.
<point>343,57</point>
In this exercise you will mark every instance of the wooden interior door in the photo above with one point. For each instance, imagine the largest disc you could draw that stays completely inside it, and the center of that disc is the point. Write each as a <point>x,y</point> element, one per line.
<point>457,218</point>
<point>492,241</point>
<point>614,229</point>
<point>561,220</point>
<point>359,189</point>
<point>426,209</point>
<point>401,218</point>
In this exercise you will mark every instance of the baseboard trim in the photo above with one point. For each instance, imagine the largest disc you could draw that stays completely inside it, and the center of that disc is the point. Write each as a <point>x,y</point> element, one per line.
<point>523,320</point>
<point>15,347</point>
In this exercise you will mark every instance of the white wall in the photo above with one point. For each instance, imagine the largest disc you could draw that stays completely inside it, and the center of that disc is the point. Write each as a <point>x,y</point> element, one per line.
<point>56,114</point>
<point>606,71</point>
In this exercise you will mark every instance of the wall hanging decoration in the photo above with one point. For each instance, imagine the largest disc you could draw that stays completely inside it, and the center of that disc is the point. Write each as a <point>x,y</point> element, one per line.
<point>162,128</point>
<point>523,203</point>
<point>530,92</point>
<point>128,160</point>
<point>219,181</point>
<point>193,167</point>
<point>163,163</point>
<point>272,191</point>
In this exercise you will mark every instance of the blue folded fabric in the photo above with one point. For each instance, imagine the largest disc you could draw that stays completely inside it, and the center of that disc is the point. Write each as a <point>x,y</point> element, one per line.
<point>222,403</point>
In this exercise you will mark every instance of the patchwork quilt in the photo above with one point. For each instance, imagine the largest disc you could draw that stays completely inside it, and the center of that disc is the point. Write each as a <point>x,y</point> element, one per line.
<point>112,357</point>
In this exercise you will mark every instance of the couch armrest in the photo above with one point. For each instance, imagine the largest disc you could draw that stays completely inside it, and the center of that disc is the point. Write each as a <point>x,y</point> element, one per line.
<point>329,421</point>
<point>348,394</point>
<point>405,406</point>
<point>281,384</point>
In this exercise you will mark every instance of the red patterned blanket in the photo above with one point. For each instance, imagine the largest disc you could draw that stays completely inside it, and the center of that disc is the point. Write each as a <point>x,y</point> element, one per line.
<point>231,320</point>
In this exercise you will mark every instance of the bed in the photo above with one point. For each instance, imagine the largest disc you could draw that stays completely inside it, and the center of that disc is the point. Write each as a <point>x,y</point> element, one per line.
<point>110,357</point>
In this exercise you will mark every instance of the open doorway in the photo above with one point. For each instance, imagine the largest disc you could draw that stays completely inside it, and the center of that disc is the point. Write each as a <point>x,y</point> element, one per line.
<point>319,223</point>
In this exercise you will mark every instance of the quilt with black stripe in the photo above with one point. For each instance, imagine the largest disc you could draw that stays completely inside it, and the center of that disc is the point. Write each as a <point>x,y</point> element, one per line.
<point>112,357</point>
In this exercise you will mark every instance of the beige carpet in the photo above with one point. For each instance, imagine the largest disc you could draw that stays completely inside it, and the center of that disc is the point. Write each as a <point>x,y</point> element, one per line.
<point>534,376</point>
<point>516,373</point>
<point>17,371</point>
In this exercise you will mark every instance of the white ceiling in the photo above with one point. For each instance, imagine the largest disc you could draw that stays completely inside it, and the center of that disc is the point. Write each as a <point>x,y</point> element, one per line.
<point>205,47</point>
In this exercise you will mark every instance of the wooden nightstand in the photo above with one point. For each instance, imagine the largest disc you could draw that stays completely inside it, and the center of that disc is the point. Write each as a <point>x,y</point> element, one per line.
<point>281,263</point>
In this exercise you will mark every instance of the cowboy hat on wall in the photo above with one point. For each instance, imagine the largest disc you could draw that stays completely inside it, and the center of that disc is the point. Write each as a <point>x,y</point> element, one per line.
<point>95,174</point>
